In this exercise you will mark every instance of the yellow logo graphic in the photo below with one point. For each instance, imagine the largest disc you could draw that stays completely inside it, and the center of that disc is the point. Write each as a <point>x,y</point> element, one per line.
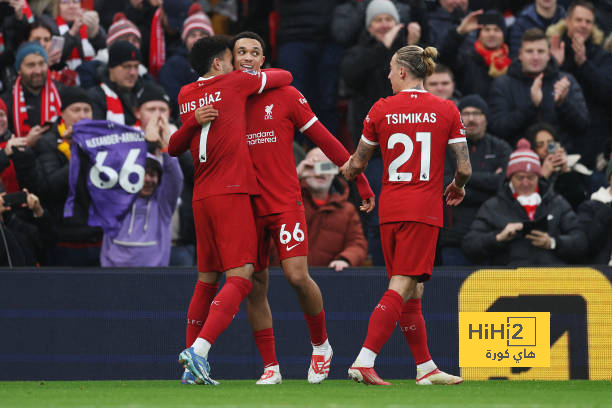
<point>504,339</point>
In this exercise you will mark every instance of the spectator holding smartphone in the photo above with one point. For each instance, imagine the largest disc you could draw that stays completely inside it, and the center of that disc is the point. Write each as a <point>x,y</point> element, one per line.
<point>335,235</point>
<point>495,236</point>
<point>564,172</point>
<point>26,230</point>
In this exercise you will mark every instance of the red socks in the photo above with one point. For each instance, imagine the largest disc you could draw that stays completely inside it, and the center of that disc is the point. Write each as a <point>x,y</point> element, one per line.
<point>223,308</point>
<point>413,327</point>
<point>203,294</point>
<point>316,327</point>
<point>264,339</point>
<point>383,320</point>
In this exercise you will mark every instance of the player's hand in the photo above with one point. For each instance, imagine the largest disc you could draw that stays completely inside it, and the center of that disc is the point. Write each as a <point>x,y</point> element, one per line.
<point>338,265</point>
<point>539,239</point>
<point>368,204</point>
<point>509,232</point>
<point>349,170</point>
<point>454,195</point>
<point>205,114</point>
<point>536,90</point>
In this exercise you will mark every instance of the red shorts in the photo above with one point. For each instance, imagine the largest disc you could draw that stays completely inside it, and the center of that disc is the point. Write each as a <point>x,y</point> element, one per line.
<point>225,232</point>
<point>409,248</point>
<point>287,229</point>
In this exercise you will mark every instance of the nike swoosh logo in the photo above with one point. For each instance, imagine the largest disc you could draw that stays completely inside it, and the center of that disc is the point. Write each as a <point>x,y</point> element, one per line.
<point>289,248</point>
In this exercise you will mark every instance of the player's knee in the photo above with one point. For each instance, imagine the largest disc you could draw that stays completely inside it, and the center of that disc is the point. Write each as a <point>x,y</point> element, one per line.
<point>298,281</point>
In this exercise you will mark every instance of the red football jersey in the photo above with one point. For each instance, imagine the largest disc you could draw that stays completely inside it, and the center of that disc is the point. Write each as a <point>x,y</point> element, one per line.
<point>413,128</point>
<point>222,164</point>
<point>271,121</point>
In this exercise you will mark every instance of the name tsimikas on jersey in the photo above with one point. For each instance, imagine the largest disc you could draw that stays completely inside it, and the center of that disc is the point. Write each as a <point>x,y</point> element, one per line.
<point>108,140</point>
<point>400,118</point>
<point>261,137</point>
<point>207,99</point>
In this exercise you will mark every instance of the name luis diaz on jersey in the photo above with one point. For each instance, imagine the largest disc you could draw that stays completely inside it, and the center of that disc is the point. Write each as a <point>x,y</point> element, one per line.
<point>399,118</point>
<point>207,99</point>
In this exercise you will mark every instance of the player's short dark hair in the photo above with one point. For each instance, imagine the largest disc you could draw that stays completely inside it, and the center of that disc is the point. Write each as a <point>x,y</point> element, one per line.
<point>205,50</point>
<point>533,34</point>
<point>582,3</point>
<point>248,34</point>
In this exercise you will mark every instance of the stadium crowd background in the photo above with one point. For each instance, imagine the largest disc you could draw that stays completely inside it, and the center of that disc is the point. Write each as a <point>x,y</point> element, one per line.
<point>121,60</point>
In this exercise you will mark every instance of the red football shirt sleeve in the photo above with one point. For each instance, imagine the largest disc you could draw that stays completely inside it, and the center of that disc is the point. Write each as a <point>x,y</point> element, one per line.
<point>369,135</point>
<point>301,114</point>
<point>275,78</point>
<point>180,141</point>
<point>457,130</point>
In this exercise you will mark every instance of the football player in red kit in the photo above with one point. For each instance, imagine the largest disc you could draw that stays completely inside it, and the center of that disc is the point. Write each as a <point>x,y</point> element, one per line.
<point>224,180</point>
<point>272,118</point>
<point>413,129</point>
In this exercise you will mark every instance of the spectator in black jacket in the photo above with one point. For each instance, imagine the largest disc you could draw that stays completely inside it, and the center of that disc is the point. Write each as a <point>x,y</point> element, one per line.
<point>365,66</point>
<point>540,15</point>
<point>27,232</point>
<point>487,59</point>
<point>535,89</point>
<point>116,97</point>
<point>448,14</point>
<point>595,216</point>
<point>44,170</point>
<point>489,157</point>
<point>499,234</point>
<point>348,20</point>
<point>306,49</point>
<point>576,46</point>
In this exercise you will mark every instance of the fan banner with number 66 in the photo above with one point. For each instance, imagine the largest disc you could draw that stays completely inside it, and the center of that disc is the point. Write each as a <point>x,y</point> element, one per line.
<point>112,157</point>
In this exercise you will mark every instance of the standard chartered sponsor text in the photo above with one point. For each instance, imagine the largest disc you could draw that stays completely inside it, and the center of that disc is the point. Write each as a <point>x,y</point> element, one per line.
<point>261,137</point>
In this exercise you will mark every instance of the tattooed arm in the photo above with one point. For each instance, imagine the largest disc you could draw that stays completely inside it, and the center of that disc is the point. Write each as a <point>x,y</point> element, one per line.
<point>358,161</point>
<point>455,191</point>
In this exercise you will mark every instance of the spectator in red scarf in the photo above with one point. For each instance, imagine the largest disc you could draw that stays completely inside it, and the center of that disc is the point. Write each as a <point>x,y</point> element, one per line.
<point>477,66</point>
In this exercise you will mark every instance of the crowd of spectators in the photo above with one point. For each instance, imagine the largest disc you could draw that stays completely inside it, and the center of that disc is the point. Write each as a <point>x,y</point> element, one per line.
<point>529,77</point>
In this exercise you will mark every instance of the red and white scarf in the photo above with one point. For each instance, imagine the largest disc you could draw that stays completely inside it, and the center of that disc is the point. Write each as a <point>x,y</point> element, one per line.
<point>50,106</point>
<point>114,108</point>
<point>75,58</point>
<point>530,203</point>
<point>157,46</point>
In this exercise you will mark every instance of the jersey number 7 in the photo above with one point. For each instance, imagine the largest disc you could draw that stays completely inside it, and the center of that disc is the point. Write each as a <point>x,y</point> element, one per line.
<point>422,137</point>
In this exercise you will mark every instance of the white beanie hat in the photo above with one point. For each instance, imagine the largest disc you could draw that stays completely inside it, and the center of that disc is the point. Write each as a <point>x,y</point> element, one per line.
<point>377,7</point>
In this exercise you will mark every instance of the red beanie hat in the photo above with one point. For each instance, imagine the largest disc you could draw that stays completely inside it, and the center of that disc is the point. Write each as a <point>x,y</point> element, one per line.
<point>3,106</point>
<point>524,159</point>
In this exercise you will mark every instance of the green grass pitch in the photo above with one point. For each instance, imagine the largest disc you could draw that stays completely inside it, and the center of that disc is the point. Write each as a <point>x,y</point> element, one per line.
<point>298,393</point>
